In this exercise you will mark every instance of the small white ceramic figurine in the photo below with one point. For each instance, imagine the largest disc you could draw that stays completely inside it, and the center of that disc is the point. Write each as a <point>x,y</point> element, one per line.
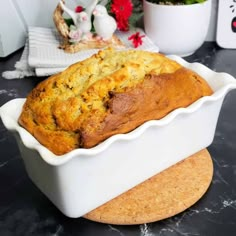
<point>104,24</point>
<point>81,20</point>
<point>84,23</point>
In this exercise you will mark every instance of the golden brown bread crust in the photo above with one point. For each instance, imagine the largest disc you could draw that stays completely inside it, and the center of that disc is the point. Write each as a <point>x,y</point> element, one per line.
<point>151,99</point>
<point>111,92</point>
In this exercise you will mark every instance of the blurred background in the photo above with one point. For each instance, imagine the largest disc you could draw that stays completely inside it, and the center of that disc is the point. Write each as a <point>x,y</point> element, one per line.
<point>17,15</point>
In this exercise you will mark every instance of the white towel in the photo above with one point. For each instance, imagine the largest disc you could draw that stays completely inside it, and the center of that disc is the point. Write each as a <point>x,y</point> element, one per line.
<point>44,51</point>
<point>42,57</point>
<point>22,68</point>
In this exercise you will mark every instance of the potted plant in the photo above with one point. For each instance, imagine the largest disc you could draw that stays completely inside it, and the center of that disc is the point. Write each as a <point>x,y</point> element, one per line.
<point>177,26</point>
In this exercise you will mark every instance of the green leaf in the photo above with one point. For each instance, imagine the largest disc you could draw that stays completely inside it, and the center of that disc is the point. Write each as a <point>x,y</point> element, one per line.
<point>69,22</point>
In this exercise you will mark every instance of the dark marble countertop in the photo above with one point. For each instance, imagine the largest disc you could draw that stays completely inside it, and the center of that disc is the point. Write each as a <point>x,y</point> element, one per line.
<point>24,210</point>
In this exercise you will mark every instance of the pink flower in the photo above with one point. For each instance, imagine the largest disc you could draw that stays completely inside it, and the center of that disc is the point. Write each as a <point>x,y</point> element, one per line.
<point>136,39</point>
<point>75,35</point>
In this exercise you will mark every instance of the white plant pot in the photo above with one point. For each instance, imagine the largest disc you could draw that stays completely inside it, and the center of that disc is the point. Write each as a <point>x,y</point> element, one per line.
<point>180,29</point>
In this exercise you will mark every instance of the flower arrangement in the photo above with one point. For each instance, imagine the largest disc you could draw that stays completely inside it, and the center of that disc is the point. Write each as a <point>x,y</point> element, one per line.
<point>122,10</point>
<point>83,23</point>
<point>127,13</point>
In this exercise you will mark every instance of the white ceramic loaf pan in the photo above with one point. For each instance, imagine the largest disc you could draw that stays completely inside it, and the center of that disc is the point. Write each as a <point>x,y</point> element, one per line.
<point>84,179</point>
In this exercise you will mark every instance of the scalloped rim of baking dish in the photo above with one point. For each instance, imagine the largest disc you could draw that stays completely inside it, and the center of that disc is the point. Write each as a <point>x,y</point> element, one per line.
<point>221,83</point>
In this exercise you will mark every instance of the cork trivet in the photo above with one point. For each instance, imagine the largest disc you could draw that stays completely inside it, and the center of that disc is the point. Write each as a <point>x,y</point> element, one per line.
<point>164,195</point>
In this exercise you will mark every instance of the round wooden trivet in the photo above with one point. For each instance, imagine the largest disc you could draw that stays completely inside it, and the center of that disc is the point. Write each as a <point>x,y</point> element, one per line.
<point>164,195</point>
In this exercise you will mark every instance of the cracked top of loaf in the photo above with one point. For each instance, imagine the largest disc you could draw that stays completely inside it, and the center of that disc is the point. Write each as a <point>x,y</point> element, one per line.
<point>109,93</point>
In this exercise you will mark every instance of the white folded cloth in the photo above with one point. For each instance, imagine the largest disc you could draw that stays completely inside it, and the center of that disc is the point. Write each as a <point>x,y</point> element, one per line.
<point>22,68</point>
<point>42,57</point>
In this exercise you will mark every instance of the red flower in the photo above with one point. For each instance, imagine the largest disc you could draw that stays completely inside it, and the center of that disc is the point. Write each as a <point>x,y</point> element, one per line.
<point>122,9</point>
<point>122,24</point>
<point>137,39</point>
<point>78,9</point>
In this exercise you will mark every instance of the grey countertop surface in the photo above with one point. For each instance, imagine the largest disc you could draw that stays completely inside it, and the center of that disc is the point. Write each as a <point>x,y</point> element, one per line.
<point>24,210</point>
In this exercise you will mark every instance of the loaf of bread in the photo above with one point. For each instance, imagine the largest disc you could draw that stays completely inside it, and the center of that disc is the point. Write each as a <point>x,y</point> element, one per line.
<point>109,93</point>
